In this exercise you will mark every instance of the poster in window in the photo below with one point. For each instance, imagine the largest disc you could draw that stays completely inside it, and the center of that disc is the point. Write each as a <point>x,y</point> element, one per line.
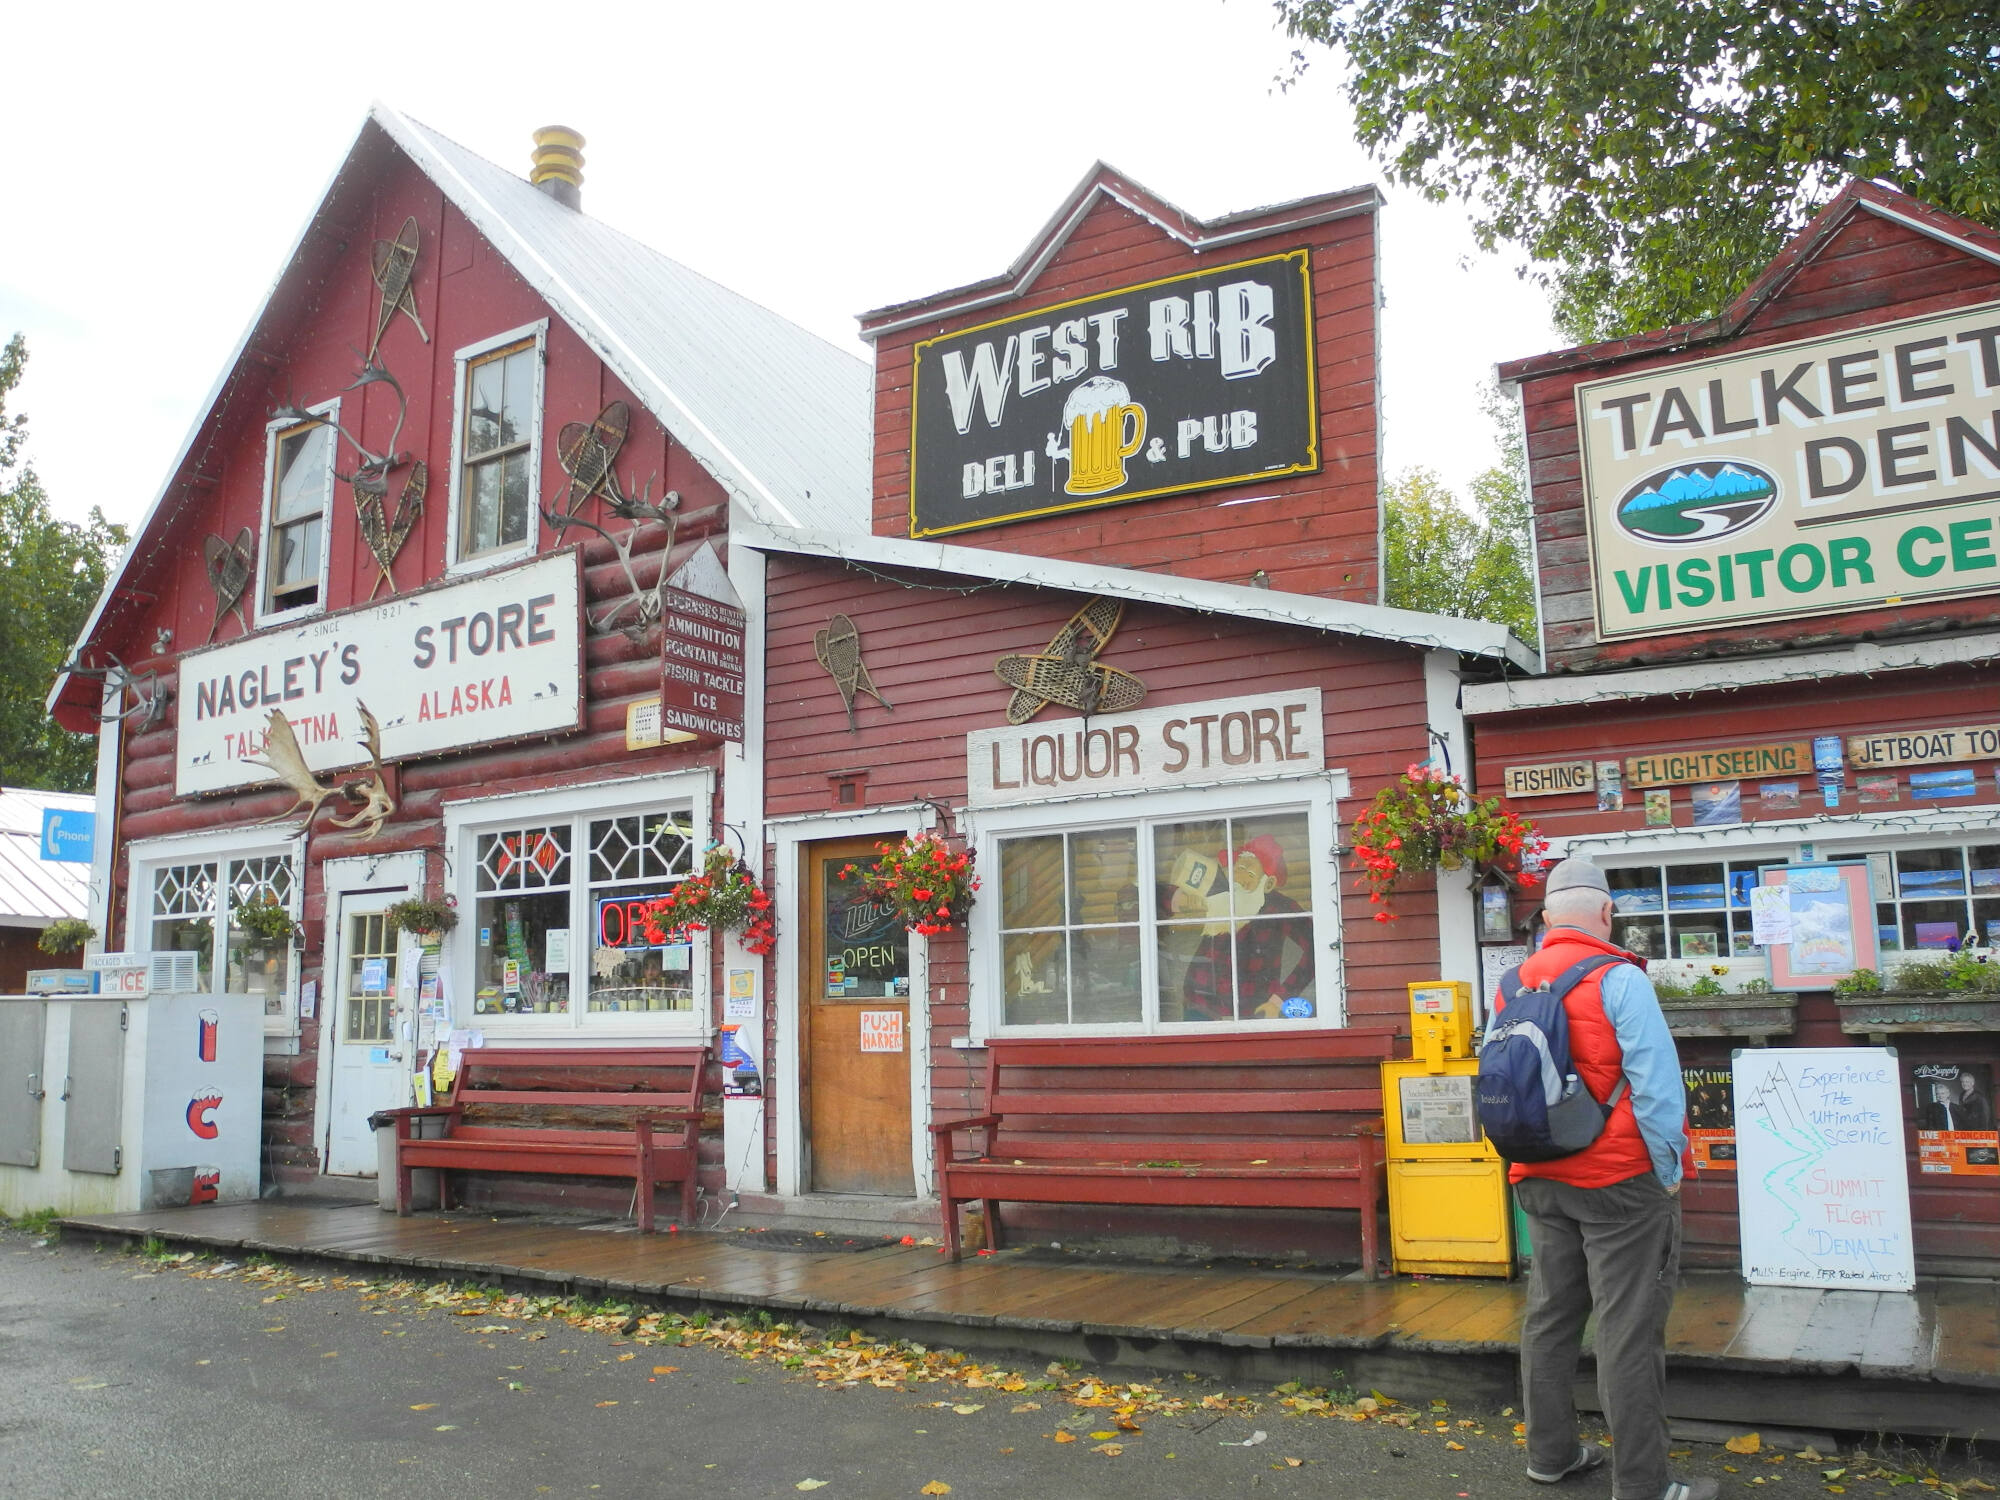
<point>1832,924</point>
<point>1956,1135</point>
<point>1711,1118</point>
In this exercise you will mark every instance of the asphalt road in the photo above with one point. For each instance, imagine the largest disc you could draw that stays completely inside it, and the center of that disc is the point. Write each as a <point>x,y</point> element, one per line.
<point>126,1375</point>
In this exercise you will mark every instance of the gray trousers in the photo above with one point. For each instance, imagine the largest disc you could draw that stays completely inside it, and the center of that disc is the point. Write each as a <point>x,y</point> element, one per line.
<point>1617,1249</point>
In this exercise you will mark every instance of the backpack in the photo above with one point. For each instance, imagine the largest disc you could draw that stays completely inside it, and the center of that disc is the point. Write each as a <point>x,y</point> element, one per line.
<point>1532,1105</point>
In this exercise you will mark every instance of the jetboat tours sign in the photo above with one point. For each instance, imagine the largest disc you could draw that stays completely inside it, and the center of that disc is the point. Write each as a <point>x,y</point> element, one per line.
<point>1198,380</point>
<point>1836,474</point>
<point>497,657</point>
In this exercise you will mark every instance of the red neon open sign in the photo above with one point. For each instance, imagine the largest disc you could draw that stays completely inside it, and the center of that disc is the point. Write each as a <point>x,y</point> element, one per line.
<point>621,921</point>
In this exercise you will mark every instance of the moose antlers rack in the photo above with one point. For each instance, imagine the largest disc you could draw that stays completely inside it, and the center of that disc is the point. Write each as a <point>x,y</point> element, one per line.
<point>370,793</point>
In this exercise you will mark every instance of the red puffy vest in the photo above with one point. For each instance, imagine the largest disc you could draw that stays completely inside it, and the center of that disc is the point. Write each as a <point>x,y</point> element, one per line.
<point>1620,1152</point>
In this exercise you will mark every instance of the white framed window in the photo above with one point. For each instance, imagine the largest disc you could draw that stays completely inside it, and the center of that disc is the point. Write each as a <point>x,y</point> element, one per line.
<point>1931,895</point>
<point>189,895</point>
<point>292,558</point>
<point>496,449</point>
<point>1163,913</point>
<point>549,887</point>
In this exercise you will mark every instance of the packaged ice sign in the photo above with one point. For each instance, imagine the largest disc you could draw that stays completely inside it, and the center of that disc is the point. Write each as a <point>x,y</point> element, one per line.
<point>68,835</point>
<point>1836,474</point>
<point>1182,384</point>
<point>494,658</point>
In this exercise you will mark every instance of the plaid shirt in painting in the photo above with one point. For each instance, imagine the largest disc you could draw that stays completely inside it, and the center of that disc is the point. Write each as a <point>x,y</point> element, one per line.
<point>1260,958</point>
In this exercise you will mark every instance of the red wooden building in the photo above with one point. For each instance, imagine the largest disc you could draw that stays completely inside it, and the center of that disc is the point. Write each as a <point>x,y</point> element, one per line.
<point>1771,621</point>
<point>432,499</point>
<point>1164,431</point>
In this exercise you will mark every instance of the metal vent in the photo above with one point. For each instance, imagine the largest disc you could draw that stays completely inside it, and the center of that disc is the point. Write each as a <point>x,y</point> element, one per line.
<point>173,973</point>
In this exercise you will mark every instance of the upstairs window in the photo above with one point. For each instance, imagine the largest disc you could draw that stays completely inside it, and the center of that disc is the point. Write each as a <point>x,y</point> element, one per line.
<point>301,484</point>
<point>498,438</point>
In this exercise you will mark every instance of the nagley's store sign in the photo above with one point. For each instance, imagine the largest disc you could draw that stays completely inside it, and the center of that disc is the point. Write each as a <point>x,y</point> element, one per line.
<point>1180,384</point>
<point>1155,749</point>
<point>497,657</point>
<point>1835,474</point>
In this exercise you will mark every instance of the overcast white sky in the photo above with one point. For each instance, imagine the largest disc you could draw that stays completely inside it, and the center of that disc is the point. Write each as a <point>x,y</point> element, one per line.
<point>823,158</point>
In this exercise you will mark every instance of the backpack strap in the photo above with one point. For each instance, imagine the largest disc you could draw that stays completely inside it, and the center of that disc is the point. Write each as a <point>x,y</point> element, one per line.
<point>1568,980</point>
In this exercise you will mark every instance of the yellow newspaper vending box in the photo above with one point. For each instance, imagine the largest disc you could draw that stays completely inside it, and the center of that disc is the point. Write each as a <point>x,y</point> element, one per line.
<point>1448,1210</point>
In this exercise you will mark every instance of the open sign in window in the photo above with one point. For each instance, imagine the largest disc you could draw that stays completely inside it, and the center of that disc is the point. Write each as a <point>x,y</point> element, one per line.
<point>628,970</point>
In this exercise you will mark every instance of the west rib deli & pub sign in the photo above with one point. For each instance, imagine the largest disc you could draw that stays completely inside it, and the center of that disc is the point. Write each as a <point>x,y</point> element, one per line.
<point>1839,473</point>
<point>1180,384</point>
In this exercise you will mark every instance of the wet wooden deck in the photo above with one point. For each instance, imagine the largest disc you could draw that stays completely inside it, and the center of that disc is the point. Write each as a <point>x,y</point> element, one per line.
<point>1921,1362</point>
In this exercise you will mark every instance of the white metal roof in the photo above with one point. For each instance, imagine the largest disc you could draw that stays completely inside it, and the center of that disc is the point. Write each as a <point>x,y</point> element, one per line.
<point>35,891</point>
<point>1407,627</point>
<point>780,417</point>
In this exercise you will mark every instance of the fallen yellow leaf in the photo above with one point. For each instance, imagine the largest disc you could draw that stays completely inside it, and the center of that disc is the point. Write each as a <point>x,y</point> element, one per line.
<point>967,1408</point>
<point>1293,1463</point>
<point>1065,1437</point>
<point>1456,1447</point>
<point>624,1357</point>
<point>1021,1406</point>
<point>425,1406</point>
<point>1749,1442</point>
<point>666,1369</point>
<point>1109,1450</point>
<point>935,1487</point>
<point>1098,1437</point>
<point>607,1403</point>
<point>810,1484</point>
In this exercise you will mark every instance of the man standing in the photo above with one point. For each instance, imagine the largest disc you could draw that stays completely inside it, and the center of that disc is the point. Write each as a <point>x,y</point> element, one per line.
<point>1605,1222</point>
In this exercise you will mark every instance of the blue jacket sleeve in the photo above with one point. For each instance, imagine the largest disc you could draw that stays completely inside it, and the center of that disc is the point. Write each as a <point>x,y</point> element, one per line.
<point>1652,1067</point>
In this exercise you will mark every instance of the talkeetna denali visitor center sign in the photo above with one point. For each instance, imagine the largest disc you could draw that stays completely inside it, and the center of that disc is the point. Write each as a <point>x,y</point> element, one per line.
<point>1180,384</point>
<point>1834,474</point>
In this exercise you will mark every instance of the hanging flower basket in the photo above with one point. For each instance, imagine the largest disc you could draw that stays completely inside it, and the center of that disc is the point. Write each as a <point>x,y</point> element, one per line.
<point>265,924</point>
<point>923,879</point>
<point>723,897</point>
<point>1425,821</point>
<point>424,918</point>
<point>65,935</point>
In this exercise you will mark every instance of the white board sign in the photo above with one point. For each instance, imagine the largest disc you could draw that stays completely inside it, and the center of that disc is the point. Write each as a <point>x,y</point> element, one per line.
<point>1822,1184</point>
<point>496,657</point>
<point>1190,744</point>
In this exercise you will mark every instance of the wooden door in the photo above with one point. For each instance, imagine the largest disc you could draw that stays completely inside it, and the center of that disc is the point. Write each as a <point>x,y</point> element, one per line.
<point>369,1071</point>
<point>856,1019</point>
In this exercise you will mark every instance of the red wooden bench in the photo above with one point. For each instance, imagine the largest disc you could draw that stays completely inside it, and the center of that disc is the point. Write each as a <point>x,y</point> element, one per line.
<point>1270,1119</point>
<point>567,1111</point>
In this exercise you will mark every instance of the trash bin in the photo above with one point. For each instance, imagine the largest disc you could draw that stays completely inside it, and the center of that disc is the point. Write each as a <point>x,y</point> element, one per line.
<point>423,1181</point>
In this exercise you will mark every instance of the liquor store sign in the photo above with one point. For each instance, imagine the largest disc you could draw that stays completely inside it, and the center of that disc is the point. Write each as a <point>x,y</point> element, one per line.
<point>497,657</point>
<point>1836,474</point>
<point>1197,380</point>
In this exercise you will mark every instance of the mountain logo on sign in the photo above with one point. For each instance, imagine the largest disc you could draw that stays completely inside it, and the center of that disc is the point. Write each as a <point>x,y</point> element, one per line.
<point>1693,503</point>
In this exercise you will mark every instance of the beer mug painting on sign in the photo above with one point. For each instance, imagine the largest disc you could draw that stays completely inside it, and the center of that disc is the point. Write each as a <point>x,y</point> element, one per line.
<point>1095,416</point>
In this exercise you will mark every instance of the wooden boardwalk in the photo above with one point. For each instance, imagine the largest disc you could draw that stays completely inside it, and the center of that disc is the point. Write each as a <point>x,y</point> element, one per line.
<point>1922,1362</point>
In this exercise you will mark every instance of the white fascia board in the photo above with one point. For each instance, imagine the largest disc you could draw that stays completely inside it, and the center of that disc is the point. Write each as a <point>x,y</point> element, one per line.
<point>202,415</point>
<point>1406,627</point>
<point>595,330</point>
<point>1931,231</point>
<point>1861,659</point>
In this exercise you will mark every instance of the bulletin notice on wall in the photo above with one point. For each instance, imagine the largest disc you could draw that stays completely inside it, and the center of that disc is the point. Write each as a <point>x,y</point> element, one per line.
<point>1823,1194</point>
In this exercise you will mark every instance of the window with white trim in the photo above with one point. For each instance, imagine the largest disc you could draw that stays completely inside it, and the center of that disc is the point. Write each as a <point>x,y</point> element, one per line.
<point>1164,922</point>
<point>196,905</point>
<point>496,445</point>
<point>553,896</point>
<point>1926,898</point>
<point>298,495</point>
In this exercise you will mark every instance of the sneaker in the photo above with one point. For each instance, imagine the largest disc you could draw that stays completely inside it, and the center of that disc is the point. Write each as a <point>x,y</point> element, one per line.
<point>1691,1489</point>
<point>1587,1458</point>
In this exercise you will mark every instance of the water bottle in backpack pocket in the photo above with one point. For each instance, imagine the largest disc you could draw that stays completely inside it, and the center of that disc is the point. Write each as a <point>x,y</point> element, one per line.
<point>1532,1105</point>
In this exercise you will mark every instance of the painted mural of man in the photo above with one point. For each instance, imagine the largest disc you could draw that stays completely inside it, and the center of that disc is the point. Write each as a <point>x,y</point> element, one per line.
<point>1257,871</point>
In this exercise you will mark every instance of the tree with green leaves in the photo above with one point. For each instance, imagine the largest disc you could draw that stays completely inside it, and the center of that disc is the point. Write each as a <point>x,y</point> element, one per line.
<point>1651,157</point>
<point>51,572</point>
<point>1473,558</point>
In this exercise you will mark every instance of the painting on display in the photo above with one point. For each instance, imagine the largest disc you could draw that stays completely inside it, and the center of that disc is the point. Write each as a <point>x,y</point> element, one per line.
<point>1823,930</point>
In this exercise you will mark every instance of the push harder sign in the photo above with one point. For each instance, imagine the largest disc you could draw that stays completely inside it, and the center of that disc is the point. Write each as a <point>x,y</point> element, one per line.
<point>1175,385</point>
<point>1837,474</point>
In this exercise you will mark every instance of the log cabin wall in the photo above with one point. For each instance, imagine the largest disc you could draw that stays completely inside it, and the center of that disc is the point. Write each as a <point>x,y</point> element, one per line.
<point>1852,270</point>
<point>465,292</point>
<point>929,641</point>
<point>1314,533</point>
<point>1956,1218</point>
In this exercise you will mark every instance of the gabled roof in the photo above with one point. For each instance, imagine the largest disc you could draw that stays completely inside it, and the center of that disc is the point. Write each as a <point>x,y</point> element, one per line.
<point>778,415</point>
<point>35,891</point>
<point>1105,181</point>
<point>1403,627</point>
<point>1855,199</point>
